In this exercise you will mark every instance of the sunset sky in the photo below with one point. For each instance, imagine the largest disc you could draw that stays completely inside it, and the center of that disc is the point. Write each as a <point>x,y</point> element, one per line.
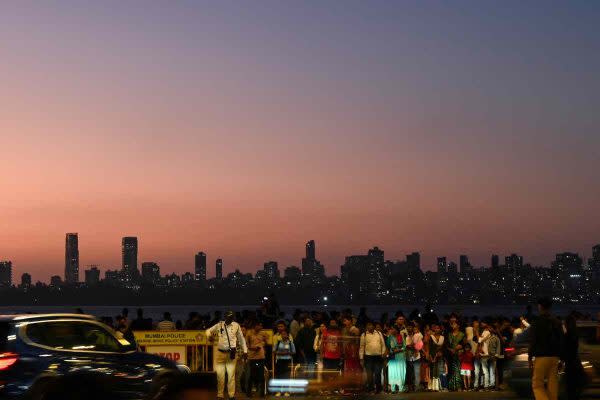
<point>244,129</point>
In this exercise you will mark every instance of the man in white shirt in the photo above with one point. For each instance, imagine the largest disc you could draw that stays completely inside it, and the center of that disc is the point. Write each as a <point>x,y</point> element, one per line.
<point>488,374</point>
<point>371,354</point>
<point>229,336</point>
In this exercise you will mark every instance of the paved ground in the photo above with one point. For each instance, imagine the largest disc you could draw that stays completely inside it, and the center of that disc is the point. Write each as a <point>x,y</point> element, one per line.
<point>418,396</point>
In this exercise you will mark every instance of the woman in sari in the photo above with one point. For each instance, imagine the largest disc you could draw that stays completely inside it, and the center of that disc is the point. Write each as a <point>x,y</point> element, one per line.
<point>396,361</point>
<point>455,340</point>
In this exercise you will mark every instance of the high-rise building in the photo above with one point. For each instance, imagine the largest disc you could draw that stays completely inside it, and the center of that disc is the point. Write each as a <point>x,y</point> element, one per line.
<point>313,272</point>
<point>129,248</point>
<point>495,261</point>
<point>292,274</point>
<point>150,272</point>
<point>113,276</point>
<point>442,265</point>
<point>413,260</point>
<point>465,265</point>
<point>5,273</point>
<point>568,263</point>
<point>55,281</point>
<point>71,258</point>
<point>271,271</point>
<point>310,250</point>
<point>200,267</point>
<point>452,268</point>
<point>595,260</point>
<point>187,278</point>
<point>513,262</point>
<point>92,275</point>
<point>219,269</point>
<point>25,280</point>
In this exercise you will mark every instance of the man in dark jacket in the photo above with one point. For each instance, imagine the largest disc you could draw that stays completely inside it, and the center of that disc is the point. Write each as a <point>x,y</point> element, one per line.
<point>304,342</point>
<point>545,351</point>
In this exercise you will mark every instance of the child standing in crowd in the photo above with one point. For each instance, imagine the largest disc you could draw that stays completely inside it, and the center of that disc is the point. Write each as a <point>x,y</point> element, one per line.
<point>284,351</point>
<point>436,358</point>
<point>466,366</point>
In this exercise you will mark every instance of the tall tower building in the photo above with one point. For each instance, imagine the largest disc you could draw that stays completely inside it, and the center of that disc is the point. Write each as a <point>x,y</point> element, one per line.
<point>414,260</point>
<point>25,280</point>
<point>495,261</point>
<point>129,248</point>
<point>200,267</point>
<point>442,265</point>
<point>513,261</point>
<point>311,250</point>
<point>271,270</point>
<point>5,273</point>
<point>151,272</point>
<point>92,275</point>
<point>465,265</point>
<point>71,258</point>
<point>219,269</point>
<point>595,260</point>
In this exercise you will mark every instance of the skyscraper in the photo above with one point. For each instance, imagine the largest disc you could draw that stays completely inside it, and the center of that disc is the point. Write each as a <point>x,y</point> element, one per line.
<point>442,266</point>
<point>495,261</point>
<point>5,273</point>
<point>150,272</point>
<point>271,271</point>
<point>219,269</point>
<point>313,272</point>
<point>465,265</point>
<point>513,262</point>
<point>71,258</point>
<point>129,247</point>
<point>92,275</point>
<point>595,260</point>
<point>200,267</point>
<point>310,250</point>
<point>413,260</point>
<point>25,280</point>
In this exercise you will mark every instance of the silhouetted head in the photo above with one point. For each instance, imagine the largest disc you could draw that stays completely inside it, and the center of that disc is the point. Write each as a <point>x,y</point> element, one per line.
<point>370,327</point>
<point>544,305</point>
<point>229,317</point>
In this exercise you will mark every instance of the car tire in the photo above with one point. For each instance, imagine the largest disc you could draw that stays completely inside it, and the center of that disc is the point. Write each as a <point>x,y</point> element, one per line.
<point>38,389</point>
<point>159,384</point>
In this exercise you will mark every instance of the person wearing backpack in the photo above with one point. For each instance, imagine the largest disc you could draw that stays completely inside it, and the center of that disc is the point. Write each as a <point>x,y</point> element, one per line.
<point>545,351</point>
<point>372,352</point>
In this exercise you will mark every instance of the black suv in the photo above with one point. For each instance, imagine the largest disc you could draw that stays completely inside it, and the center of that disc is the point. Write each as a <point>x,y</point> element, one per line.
<point>36,350</point>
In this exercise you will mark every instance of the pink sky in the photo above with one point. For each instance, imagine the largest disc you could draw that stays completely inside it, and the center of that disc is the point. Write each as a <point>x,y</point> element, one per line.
<point>246,132</point>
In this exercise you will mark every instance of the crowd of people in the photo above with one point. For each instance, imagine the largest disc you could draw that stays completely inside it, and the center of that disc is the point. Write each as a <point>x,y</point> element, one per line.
<point>352,352</point>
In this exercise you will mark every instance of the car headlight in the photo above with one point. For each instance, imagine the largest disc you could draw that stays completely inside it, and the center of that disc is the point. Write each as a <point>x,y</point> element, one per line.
<point>184,369</point>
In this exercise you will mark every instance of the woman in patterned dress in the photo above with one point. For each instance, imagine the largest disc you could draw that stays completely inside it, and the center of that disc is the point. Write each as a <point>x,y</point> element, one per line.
<point>455,340</point>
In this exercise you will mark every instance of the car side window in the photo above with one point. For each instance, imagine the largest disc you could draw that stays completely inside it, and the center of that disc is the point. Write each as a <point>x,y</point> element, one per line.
<point>72,335</point>
<point>96,337</point>
<point>58,335</point>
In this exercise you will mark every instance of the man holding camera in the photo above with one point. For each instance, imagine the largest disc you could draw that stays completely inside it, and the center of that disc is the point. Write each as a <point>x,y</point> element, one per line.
<point>229,337</point>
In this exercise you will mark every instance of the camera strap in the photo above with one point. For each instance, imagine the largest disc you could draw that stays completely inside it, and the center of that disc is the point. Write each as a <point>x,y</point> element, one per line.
<point>227,333</point>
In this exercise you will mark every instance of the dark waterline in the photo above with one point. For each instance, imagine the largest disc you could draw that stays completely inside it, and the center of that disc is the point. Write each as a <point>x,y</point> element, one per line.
<point>374,311</point>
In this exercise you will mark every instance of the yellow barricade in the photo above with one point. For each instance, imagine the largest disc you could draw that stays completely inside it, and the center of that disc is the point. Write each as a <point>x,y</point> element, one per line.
<point>192,348</point>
